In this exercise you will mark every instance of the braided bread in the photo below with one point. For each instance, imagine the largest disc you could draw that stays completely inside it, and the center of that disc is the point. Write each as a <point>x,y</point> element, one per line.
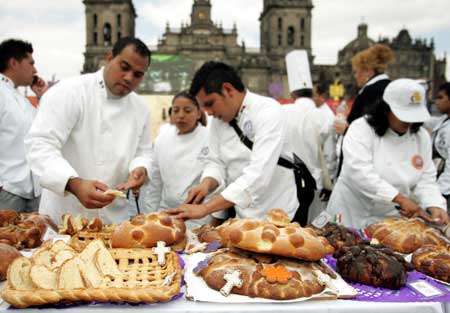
<point>405,235</point>
<point>145,231</point>
<point>300,281</point>
<point>433,261</point>
<point>7,255</point>
<point>374,265</point>
<point>261,236</point>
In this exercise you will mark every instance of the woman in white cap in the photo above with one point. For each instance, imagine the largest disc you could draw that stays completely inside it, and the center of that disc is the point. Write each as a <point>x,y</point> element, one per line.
<point>387,168</point>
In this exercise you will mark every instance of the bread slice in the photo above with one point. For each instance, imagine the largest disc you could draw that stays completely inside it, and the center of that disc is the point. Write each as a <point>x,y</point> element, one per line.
<point>62,256</point>
<point>43,278</point>
<point>106,265</point>
<point>79,223</point>
<point>19,274</point>
<point>42,257</point>
<point>69,274</point>
<point>91,274</point>
<point>60,245</point>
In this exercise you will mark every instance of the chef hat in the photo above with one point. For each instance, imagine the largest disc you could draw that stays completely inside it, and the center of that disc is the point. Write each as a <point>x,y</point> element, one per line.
<point>299,74</point>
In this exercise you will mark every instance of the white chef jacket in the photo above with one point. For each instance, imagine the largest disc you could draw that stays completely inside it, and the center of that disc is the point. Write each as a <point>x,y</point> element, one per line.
<point>377,168</point>
<point>16,116</point>
<point>328,136</point>
<point>253,180</point>
<point>305,122</point>
<point>441,144</point>
<point>80,131</point>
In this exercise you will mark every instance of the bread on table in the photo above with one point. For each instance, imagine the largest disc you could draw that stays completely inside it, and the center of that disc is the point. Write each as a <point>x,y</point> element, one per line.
<point>405,235</point>
<point>374,265</point>
<point>433,261</point>
<point>338,235</point>
<point>289,240</point>
<point>280,280</point>
<point>7,255</point>
<point>144,231</point>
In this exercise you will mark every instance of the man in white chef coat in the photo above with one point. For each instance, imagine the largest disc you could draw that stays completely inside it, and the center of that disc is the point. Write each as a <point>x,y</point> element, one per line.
<point>19,187</point>
<point>305,123</point>
<point>253,181</point>
<point>92,133</point>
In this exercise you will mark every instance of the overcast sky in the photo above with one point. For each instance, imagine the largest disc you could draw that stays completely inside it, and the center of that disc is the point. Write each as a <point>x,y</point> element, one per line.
<point>57,27</point>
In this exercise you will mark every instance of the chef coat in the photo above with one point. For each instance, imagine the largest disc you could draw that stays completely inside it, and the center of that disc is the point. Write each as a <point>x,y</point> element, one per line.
<point>80,131</point>
<point>441,147</point>
<point>253,180</point>
<point>328,138</point>
<point>377,168</point>
<point>305,122</point>
<point>16,116</point>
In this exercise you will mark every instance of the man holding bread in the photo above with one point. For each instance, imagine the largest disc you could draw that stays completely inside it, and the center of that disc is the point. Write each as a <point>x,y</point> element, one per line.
<point>91,134</point>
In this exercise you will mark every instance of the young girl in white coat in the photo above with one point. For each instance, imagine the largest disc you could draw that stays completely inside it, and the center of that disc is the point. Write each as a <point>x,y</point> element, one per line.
<point>178,157</point>
<point>387,169</point>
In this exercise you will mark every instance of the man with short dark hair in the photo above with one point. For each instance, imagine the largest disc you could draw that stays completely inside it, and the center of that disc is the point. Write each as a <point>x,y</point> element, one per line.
<point>441,141</point>
<point>19,188</point>
<point>253,181</point>
<point>92,133</point>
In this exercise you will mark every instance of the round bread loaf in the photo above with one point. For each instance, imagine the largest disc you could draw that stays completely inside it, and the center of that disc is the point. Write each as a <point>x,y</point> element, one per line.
<point>7,255</point>
<point>261,236</point>
<point>374,265</point>
<point>405,235</point>
<point>338,235</point>
<point>144,231</point>
<point>301,281</point>
<point>433,261</point>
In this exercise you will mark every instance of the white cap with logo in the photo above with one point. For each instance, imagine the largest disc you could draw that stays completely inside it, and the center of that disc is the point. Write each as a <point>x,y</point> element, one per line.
<point>299,74</point>
<point>407,101</point>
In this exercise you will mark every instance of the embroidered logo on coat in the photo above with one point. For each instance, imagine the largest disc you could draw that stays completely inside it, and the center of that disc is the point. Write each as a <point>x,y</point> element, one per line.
<point>417,162</point>
<point>248,128</point>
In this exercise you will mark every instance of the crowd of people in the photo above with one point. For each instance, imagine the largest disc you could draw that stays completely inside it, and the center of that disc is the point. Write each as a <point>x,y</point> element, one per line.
<point>91,133</point>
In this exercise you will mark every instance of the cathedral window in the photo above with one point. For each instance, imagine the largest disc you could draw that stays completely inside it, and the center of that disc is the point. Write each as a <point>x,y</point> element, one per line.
<point>280,40</point>
<point>95,20</point>
<point>302,40</point>
<point>302,23</point>
<point>280,23</point>
<point>119,20</point>
<point>290,36</point>
<point>107,34</point>
<point>95,38</point>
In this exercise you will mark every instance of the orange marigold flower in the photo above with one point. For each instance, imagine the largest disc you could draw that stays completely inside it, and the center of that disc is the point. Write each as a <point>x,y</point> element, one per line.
<point>277,273</point>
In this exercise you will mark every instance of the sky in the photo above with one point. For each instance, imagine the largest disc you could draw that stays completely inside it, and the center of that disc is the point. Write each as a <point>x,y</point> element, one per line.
<point>56,28</point>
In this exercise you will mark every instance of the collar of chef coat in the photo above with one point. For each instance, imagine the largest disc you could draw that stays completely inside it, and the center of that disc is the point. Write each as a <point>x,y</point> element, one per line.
<point>101,84</point>
<point>7,82</point>
<point>245,103</point>
<point>373,80</point>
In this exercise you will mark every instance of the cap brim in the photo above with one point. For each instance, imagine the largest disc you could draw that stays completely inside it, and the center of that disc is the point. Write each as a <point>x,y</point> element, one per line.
<point>414,114</point>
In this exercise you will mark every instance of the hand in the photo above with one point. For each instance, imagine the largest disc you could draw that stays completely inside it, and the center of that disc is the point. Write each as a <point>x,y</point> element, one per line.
<point>189,211</point>
<point>89,192</point>
<point>324,195</point>
<point>408,207</point>
<point>439,215</point>
<point>135,180</point>
<point>340,126</point>
<point>197,194</point>
<point>39,86</point>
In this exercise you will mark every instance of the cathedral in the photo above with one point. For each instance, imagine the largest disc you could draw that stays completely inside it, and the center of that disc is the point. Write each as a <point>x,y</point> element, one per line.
<point>285,25</point>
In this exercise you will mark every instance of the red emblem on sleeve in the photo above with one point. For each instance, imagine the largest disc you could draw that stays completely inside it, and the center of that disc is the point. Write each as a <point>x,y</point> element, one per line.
<point>417,162</point>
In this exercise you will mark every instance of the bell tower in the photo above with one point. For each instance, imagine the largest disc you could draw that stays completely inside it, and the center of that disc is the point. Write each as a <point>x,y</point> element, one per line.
<point>201,13</point>
<point>106,22</point>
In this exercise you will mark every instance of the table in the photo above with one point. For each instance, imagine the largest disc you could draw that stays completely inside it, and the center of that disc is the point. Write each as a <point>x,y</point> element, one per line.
<point>331,306</point>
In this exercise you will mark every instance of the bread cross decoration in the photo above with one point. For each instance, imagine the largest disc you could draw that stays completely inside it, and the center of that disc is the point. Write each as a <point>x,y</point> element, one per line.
<point>160,250</point>
<point>233,279</point>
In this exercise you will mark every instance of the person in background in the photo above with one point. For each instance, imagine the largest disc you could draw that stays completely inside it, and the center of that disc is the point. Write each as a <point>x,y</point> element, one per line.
<point>253,181</point>
<point>441,141</point>
<point>19,187</point>
<point>369,67</point>
<point>179,157</point>
<point>92,133</point>
<point>304,123</point>
<point>388,169</point>
<point>328,145</point>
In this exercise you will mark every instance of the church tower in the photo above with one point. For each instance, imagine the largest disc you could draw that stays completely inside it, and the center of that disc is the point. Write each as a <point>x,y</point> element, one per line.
<point>201,13</point>
<point>106,22</point>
